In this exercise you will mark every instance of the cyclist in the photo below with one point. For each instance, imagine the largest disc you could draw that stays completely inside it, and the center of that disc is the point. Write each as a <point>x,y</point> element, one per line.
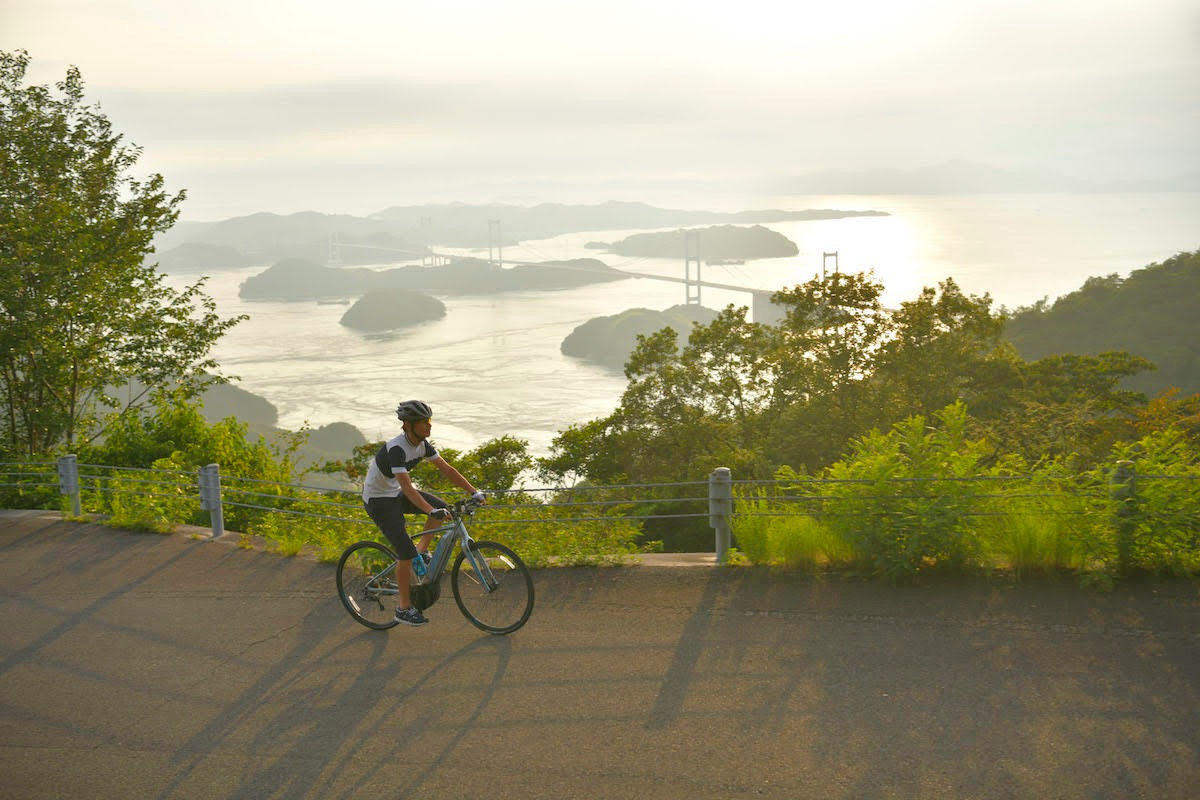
<point>389,494</point>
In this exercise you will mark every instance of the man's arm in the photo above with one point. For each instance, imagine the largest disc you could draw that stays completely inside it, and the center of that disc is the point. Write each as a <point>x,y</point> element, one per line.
<point>453,475</point>
<point>410,491</point>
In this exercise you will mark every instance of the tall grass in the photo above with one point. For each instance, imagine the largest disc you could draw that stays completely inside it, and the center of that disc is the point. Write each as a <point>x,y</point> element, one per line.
<point>765,534</point>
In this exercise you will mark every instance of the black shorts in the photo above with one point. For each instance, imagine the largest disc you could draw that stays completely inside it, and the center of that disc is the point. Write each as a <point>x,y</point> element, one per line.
<point>388,514</point>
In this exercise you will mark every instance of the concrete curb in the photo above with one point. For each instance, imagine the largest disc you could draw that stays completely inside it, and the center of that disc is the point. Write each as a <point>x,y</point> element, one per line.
<point>235,539</point>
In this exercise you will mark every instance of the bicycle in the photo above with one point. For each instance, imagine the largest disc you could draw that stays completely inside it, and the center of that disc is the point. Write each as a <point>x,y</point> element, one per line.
<point>491,585</point>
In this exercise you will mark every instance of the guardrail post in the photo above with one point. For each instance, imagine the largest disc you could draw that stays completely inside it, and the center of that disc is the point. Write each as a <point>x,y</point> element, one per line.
<point>210,497</point>
<point>720,507</point>
<point>68,482</point>
<point>1123,487</point>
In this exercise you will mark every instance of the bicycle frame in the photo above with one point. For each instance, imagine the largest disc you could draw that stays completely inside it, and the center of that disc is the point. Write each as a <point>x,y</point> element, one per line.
<point>457,534</point>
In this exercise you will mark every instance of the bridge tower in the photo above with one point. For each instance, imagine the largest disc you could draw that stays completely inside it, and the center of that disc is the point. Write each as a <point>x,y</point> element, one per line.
<point>825,258</point>
<point>427,256</point>
<point>691,242</point>
<point>334,258</point>
<point>498,263</point>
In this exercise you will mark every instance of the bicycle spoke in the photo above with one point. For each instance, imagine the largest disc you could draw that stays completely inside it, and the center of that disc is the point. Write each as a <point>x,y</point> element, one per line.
<point>366,584</point>
<point>492,587</point>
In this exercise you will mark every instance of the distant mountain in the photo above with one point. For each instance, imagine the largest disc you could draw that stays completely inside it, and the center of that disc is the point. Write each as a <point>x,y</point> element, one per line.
<point>404,233</point>
<point>966,177</point>
<point>467,226</point>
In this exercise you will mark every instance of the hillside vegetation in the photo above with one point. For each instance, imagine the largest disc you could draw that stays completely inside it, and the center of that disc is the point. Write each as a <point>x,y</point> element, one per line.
<point>1154,313</point>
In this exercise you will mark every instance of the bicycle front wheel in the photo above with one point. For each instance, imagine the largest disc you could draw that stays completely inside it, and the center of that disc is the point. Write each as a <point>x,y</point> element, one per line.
<point>493,587</point>
<point>366,582</point>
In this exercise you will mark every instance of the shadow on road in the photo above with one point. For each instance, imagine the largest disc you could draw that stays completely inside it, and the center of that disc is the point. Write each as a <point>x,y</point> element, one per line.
<point>148,666</point>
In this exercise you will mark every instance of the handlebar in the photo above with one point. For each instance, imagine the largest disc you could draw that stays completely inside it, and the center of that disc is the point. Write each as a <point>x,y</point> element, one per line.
<point>466,507</point>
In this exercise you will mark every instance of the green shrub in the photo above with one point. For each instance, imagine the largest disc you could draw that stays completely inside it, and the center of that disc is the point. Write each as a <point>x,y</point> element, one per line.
<point>1157,512</point>
<point>902,500</point>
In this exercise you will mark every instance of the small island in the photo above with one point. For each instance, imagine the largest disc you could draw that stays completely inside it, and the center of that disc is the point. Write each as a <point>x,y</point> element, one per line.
<point>718,243</point>
<point>608,341</point>
<point>388,309</point>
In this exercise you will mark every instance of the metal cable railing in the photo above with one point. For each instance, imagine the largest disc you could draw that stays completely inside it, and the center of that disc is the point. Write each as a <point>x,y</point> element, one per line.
<point>720,498</point>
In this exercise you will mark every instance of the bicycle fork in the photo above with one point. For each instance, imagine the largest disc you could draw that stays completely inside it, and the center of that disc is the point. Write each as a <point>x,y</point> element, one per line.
<point>479,564</point>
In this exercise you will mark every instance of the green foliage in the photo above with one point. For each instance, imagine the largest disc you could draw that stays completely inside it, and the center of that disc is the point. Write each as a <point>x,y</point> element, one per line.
<point>562,543</point>
<point>837,369</point>
<point>81,310</point>
<point>945,347</point>
<point>171,436</point>
<point>173,433</point>
<point>154,500</point>
<point>684,412</point>
<point>28,485</point>
<point>1151,313</point>
<point>769,533</point>
<point>1044,520</point>
<point>1067,406</point>
<point>900,499</point>
<point>750,396</point>
<point>921,498</point>
<point>494,465</point>
<point>1158,507</point>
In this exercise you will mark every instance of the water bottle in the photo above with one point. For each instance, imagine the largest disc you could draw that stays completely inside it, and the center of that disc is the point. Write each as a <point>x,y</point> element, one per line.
<point>419,565</point>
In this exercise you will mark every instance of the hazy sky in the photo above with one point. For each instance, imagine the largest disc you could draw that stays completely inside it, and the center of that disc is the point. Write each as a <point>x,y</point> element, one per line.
<point>283,105</point>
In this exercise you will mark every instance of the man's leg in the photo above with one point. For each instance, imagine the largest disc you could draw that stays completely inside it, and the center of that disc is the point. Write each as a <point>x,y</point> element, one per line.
<point>431,522</point>
<point>427,538</point>
<point>388,515</point>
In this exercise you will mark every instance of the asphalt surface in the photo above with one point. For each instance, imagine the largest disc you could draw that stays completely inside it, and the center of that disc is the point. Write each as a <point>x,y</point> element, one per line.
<point>144,666</point>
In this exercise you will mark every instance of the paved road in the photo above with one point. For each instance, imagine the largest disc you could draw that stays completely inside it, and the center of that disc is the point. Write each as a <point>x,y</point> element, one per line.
<point>144,666</point>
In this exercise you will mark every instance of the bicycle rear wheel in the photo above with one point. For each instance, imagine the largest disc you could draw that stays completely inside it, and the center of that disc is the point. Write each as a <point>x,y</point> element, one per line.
<point>493,587</point>
<point>366,582</point>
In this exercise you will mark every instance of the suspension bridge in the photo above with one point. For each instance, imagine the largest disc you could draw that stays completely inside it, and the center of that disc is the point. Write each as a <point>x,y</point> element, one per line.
<point>761,307</point>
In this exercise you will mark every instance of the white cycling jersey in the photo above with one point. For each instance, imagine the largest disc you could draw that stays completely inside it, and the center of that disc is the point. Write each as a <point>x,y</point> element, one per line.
<point>396,455</point>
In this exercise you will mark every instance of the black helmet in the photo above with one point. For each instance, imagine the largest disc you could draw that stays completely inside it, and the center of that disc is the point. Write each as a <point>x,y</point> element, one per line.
<point>413,410</point>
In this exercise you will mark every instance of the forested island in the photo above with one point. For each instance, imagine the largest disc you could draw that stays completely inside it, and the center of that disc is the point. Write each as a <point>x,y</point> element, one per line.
<point>714,243</point>
<point>609,340</point>
<point>296,279</point>
<point>390,309</point>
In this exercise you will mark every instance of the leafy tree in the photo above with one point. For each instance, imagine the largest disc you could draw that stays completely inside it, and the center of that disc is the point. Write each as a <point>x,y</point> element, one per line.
<point>1071,406</point>
<point>946,346</point>
<point>826,351</point>
<point>171,431</point>
<point>1170,410</point>
<point>683,413</point>
<point>80,310</point>
<point>1159,515</point>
